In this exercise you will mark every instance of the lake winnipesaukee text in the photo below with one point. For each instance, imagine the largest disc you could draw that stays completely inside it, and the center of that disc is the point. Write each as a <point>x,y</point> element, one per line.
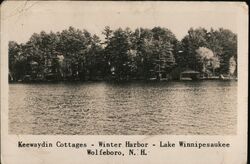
<point>121,148</point>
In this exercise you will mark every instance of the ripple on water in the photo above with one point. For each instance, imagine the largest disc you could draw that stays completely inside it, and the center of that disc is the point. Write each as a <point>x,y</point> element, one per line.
<point>208,108</point>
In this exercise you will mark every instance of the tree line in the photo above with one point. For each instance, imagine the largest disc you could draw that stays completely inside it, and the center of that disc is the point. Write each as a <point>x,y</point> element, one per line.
<point>123,54</point>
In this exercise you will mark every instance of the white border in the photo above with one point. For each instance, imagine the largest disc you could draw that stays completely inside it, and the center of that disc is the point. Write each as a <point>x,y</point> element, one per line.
<point>10,154</point>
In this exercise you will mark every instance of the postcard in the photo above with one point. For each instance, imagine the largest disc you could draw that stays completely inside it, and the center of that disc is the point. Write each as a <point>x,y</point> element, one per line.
<point>124,82</point>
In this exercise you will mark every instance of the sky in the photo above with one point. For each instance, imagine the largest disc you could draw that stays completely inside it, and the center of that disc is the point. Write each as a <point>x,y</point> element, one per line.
<point>21,19</point>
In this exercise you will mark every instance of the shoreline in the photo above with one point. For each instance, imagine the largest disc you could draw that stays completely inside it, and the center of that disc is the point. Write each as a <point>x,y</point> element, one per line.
<point>121,82</point>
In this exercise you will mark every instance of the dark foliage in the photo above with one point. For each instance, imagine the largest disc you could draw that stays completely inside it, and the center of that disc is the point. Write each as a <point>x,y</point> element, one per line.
<point>142,54</point>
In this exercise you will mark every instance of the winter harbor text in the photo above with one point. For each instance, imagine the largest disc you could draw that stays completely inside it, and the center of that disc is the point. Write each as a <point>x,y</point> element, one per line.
<point>122,148</point>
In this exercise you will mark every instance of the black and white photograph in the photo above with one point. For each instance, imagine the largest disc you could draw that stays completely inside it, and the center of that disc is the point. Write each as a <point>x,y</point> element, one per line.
<point>124,82</point>
<point>131,71</point>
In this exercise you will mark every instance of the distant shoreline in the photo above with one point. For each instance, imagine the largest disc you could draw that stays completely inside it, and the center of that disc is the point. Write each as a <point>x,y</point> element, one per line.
<point>119,82</point>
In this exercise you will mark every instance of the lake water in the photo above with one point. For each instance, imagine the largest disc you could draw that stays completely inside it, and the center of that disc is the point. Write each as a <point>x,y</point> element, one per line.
<point>136,108</point>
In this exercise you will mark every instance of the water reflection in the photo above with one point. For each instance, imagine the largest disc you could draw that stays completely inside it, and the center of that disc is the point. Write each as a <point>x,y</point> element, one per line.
<point>208,107</point>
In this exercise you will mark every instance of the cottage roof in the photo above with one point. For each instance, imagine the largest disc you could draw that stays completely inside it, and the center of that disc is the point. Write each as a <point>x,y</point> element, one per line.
<point>190,72</point>
<point>33,63</point>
